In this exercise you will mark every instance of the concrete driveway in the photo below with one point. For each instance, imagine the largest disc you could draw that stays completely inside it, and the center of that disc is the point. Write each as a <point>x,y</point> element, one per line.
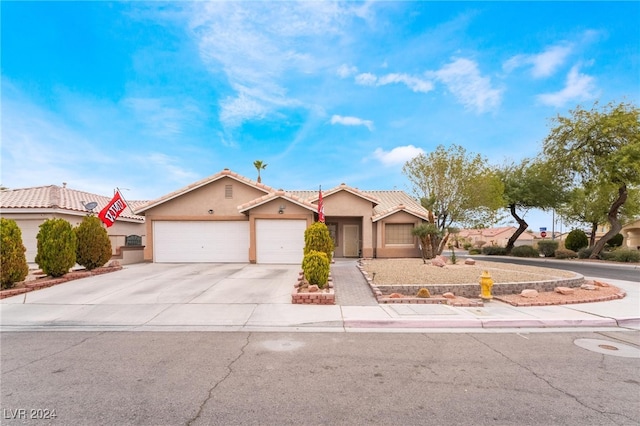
<point>158,294</point>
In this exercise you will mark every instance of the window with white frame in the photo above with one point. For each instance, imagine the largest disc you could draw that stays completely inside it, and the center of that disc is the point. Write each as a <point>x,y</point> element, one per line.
<point>398,234</point>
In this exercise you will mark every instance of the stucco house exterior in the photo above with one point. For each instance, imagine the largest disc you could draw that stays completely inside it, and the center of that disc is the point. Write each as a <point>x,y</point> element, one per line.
<point>631,234</point>
<point>30,207</point>
<point>227,217</point>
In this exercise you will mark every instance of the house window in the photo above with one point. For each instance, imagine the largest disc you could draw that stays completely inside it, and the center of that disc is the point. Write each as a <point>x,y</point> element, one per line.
<point>399,233</point>
<point>228,191</point>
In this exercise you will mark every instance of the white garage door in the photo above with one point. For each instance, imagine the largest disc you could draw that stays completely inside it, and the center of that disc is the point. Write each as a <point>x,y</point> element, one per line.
<point>29,230</point>
<point>198,241</point>
<point>280,241</point>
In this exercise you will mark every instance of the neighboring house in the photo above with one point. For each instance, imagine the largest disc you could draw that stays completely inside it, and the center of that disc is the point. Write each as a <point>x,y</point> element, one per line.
<point>631,234</point>
<point>496,236</point>
<point>229,218</point>
<point>30,207</point>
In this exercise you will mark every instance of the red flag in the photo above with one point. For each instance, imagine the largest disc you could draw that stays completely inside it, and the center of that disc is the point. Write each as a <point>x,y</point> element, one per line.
<point>112,210</point>
<point>320,207</point>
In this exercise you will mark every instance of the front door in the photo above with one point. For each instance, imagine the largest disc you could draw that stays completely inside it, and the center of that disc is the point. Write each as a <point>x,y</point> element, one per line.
<point>351,241</point>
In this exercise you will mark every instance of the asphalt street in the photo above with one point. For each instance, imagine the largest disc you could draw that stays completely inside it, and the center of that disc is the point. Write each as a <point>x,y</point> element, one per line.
<point>241,378</point>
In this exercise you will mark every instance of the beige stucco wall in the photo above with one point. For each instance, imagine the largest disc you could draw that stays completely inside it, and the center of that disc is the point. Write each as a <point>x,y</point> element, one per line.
<point>346,205</point>
<point>384,250</point>
<point>631,234</point>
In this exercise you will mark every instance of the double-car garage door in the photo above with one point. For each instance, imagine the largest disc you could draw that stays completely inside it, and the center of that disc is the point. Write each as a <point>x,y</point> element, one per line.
<point>277,241</point>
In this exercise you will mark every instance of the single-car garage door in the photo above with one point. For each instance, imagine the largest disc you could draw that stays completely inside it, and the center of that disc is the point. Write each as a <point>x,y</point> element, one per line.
<point>280,241</point>
<point>200,241</point>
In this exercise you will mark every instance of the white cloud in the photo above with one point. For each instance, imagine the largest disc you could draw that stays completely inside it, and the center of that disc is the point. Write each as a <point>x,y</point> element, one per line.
<point>464,81</point>
<point>345,71</point>
<point>414,83</point>
<point>259,45</point>
<point>542,64</point>
<point>352,121</point>
<point>398,155</point>
<point>578,87</point>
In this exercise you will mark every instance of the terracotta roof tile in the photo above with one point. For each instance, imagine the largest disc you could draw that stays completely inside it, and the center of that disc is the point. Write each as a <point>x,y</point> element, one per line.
<point>56,197</point>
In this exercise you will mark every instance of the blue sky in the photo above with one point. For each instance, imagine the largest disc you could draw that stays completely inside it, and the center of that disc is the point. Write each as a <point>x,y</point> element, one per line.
<point>152,96</point>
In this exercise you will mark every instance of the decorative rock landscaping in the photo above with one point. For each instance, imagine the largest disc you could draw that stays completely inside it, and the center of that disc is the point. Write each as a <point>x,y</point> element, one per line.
<point>305,294</point>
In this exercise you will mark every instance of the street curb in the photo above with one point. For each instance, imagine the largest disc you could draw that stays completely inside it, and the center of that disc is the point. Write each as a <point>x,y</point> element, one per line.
<point>492,323</point>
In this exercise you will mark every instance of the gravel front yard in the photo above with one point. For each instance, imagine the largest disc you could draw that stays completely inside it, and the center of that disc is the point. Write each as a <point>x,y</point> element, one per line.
<point>414,271</point>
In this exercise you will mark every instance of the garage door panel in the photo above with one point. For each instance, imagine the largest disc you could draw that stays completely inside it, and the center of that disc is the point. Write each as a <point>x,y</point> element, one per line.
<point>280,241</point>
<point>199,241</point>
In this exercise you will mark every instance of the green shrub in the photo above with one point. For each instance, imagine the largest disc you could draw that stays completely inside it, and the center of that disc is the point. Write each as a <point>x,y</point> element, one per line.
<point>474,251</point>
<point>585,253</point>
<point>565,254</point>
<point>315,267</point>
<point>615,241</point>
<point>576,240</point>
<point>466,246</point>
<point>494,250</point>
<point>547,247</point>
<point>93,245</point>
<point>56,247</point>
<point>607,255</point>
<point>524,251</point>
<point>626,255</point>
<point>318,238</point>
<point>13,260</point>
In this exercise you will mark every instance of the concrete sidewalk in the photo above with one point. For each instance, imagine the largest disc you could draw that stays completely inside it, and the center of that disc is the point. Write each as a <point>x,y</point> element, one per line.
<point>128,300</point>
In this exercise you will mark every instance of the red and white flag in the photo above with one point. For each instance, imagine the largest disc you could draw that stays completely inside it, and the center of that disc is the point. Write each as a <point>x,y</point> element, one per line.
<point>112,210</point>
<point>320,207</point>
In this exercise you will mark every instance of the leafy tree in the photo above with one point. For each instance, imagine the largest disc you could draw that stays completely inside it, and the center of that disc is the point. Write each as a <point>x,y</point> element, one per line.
<point>529,184</point>
<point>456,187</point>
<point>56,247</point>
<point>13,260</point>
<point>259,165</point>
<point>576,240</point>
<point>93,245</point>
<point>599,147</point>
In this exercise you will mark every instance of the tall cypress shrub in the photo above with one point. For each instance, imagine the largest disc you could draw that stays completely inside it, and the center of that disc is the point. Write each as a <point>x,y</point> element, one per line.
<point>56,247</point>
<point>94,247</point>
<point>317,237</point>
<point>576,240</point>
<point>12,258</point>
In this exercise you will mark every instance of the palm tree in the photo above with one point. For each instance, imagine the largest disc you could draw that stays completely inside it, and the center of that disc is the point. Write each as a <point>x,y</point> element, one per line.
<point>259,165</point>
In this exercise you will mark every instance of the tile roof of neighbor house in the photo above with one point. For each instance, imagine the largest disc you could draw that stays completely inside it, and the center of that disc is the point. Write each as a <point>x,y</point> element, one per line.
<point>53,197</point>
<point>278,194</point>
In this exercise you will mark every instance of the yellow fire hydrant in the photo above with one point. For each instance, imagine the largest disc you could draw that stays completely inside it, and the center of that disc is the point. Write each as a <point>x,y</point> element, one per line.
<point>485,286</point>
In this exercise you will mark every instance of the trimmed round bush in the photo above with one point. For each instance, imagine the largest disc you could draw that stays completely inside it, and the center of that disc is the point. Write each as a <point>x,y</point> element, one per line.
<point>56,247</point>
<point>576,240</point>
<point>317,237</point>
<point>565,254</point>
<point>13,260</point>
<point>524,251</point>
<point>615,241</point>
<point>474,251</point>
<point>315,267</point>
<point>93,245</point>
<point>494,251</point>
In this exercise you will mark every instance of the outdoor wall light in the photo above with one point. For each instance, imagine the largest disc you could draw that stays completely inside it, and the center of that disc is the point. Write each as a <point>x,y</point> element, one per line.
<point>210,211</point>
<point>281,209</point>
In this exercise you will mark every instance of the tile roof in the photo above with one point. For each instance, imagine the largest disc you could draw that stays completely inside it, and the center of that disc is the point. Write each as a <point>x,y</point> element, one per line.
<point>277,194</point>
<point>202,182</point>
<point>59,198</point>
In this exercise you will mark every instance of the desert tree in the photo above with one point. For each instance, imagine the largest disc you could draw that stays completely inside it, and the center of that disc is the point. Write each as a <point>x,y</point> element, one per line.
<point>458,189</point>
<point>600,148</point>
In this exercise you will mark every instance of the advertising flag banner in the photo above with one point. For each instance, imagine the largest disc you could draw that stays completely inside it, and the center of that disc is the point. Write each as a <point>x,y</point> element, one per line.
<point>320,207</point>
<point>111,211</point>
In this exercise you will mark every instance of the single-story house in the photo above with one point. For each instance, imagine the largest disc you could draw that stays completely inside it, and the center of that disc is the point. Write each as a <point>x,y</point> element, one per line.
<point>229,218</point>
<point>496,236</point>
<point>30,207</point>
<point>631,234</point>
